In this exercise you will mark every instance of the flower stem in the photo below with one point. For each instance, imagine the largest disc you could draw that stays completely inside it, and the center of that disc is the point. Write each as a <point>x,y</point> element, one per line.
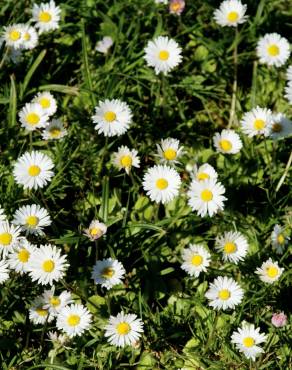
<point>234,87</point>
<point>280,183</point>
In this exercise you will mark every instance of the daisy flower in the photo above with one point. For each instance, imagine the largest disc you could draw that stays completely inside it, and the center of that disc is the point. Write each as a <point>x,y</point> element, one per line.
<point>281,126</point>
<point>169,151</point>
<point>124,329</point>
<point>54,131</point>
<point>32,219</point>
<point>104,45</point>
<point>161,183</point>
<point>46,16</point>
<point>224,293</point>
<point>9,237</point>
<point>257,122</point>
<point>273,50</point>
<point>227,142</point>
<point>206,197</point>
<point>32,116</point>
<point>96,230</point>
<point>18,259</point>
<point>4,271</point>
<point>230,13</point>
<point>38,314</point>
<point>176,6</point>
<point>13,36</point>
<point>108,273</point>
<point>2,215</point>
<point>233,245</point>
<point>279,240</point>
<point>47,265</point>
<point>163,54</point>
<point>33,170</point>
<point>74,320</point>
<point>196,259</point>
<point>204,172</point>
<point>29,37</point>
<point>112,117</point>
<point>125,159</point>
<point>269,272</point>
<point>288,92</point>
<point>246,340</point>
<point>47,102</point>
<point>55,303</point>
<point>58,340</point>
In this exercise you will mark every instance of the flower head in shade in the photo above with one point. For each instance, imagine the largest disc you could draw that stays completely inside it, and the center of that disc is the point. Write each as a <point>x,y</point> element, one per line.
<point>230,13</point>
<point>161,183</point>
<point>13,35</point>
<point>227,142</point>
<point>206,197</point>
<point>56,302</point>
<point>96,230</point>
<point>224,293</point>
<point>125,159</point>
<point>112,117</point>
<point>47,265</point>
<point>257,122</point>
<point>54,131</point>
<point>32,219</point>
<point>108,273</point>
<point>289,73</point>
<point>124,329</point>
<point>30,37</point>
<point>47,102</point>
<point>163,54</point>
<point>33,170</point>
<point>281,126</point>
<point>269,272</point>
<point>46,16</point>
<point>196,259</point>
<point>176,6</point>
<point>4,271</point>
<point>246,340</point>
<point>279,239</point>
<point>279,319</point>
<point>233,245</point>
<point>38,314</point>
<point>74,320</point>
<point>169,151</point>
<point>18,259</point>
<point>104,45</point>
<point>9,237</point>
<point>32,117</point>
<point>273,50</point>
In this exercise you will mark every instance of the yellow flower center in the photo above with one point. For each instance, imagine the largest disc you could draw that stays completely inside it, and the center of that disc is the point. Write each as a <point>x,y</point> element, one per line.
<point>163,55</point>
<point>224,294</point>
<point>229,247</point>
<point>202,176</point>
<point>277,127</point>
<point>23,255</point>
<point>32,119</point>
<point>232,16</point>
<point>14,35</point>
<point>73,320</point>
<point>41,311</point>
<point>272,271</point>
<point>45,17</point>
<point>123,328</point>
<point>161,184</point>
<point>32,221</point>
<point>26,36</point>
<point>280,239</point>
<point>273,50</point>
<point>107,272</point>
<point>169,154</point>
<point>45,102</point>
<point>259,124</point>
<point>55,301</point>
<point>48,265</point>
<point>54,132</point>
<point>126,161</point>
<point>248,342</point>
<point>34,170</point>
<point>175,7</point>
<point>94,231</point>
<point>225,145</point>
<point>5,238</point>
<point>110,116</point>
<point>206,195</point>
<point>197,260</point>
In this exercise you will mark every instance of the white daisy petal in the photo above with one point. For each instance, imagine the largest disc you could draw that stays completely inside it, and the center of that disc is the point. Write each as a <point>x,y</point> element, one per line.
<point>125,159</point>
<point>32,219</point>
<point>38,314</point>
<point>54,131</point>
<point>281,126</point>
<point>196,259</point>
<point>32,117</point>
<point>273,50</point>
<point>18,259</point>
<point>257,122</point>
<point>233,245</point>
<point>279,239</point>
<point>108,273</point>
<point>4,271</point>
<point>230,13</point>
<point>169,151</point>
<point>46,16</point>
<point>47,102</point>
<point>74,320</point>
<point>9,237</point>
<point>227,142</point>
<point>269,272</point>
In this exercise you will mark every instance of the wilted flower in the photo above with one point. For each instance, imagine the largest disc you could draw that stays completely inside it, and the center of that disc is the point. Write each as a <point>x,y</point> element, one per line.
<point>96,230</point>
<point>279,319</point>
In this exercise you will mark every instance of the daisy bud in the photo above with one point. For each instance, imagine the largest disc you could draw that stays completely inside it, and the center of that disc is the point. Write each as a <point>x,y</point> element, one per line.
<point>279,319</point>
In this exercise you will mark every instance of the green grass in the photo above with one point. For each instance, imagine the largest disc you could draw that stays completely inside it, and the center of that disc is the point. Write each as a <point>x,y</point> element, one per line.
<point>190,104</point>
